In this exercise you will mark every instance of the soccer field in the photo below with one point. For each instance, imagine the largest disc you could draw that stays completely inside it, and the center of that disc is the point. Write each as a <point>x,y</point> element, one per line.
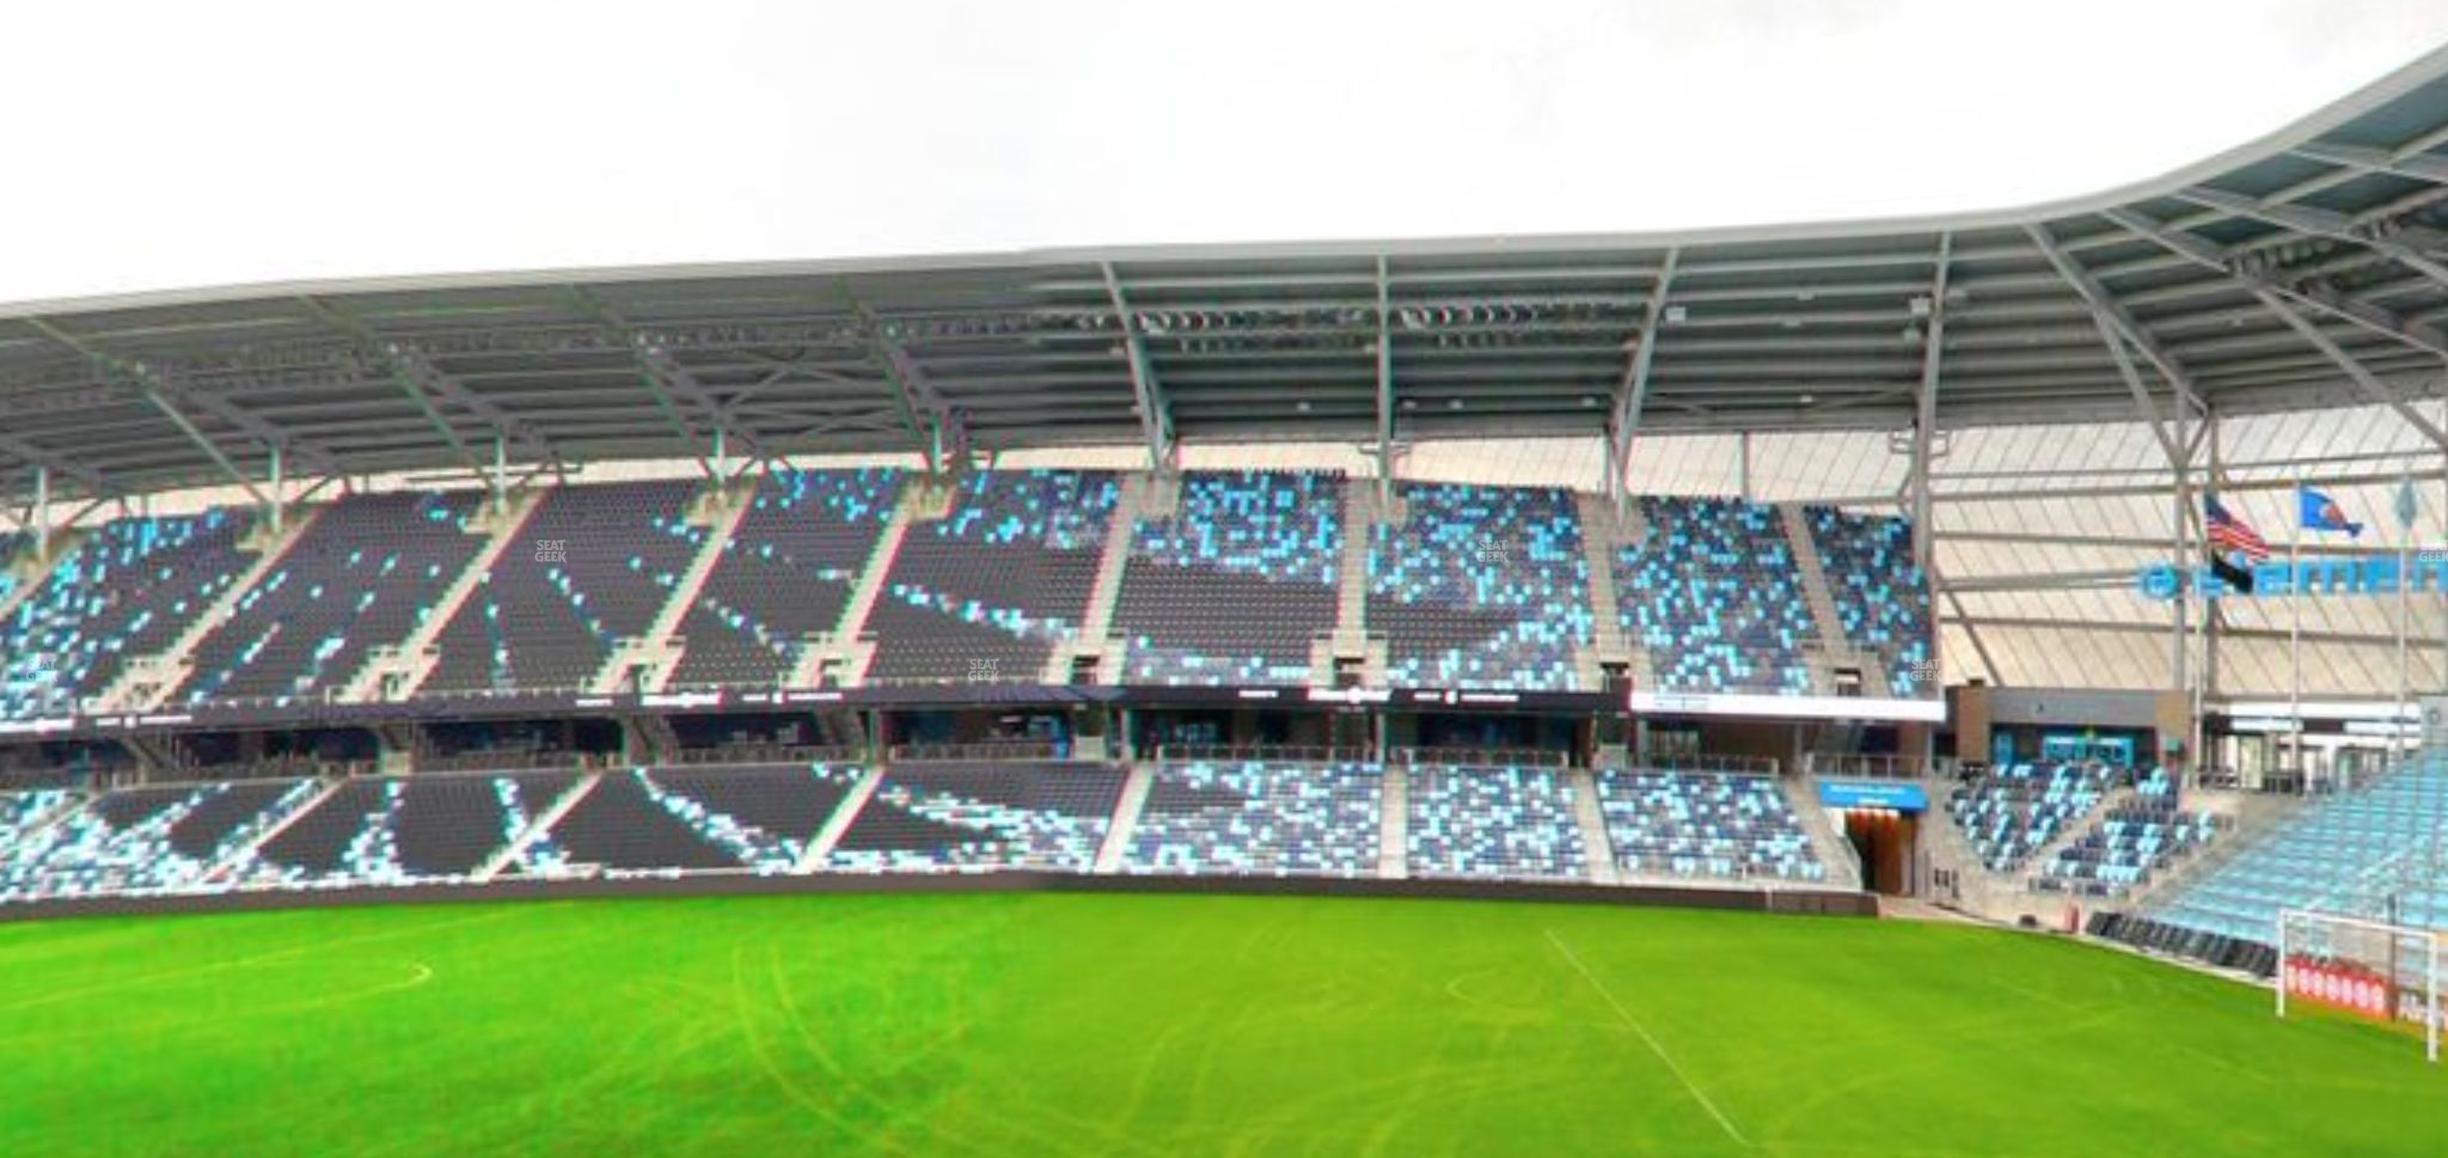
<point>1026,1024</point>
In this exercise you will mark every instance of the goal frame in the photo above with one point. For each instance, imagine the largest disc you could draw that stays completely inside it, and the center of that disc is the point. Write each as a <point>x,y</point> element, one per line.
<point>2392,973</point>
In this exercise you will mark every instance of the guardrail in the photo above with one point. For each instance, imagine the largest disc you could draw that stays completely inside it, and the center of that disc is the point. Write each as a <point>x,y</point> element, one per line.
<point>1748,765</point>
<point>1266,753</point>
<point>1482,757</point>
<point>982,750</point>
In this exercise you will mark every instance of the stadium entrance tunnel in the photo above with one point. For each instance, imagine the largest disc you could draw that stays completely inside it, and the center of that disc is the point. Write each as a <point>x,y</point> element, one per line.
<point>1887,842</point>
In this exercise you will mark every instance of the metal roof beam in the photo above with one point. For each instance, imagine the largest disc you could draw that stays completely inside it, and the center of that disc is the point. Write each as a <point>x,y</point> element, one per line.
<point>2406,247</point>
<point>159,388</point>
<point>1155,417</point>
<point>422,382</point>
<point>925,413</point>
<point>1385,381</point>
<point>2360,313</point>
<point>2365,380</point>
<point>2420,166</point>
<point>1632,392</point>
<point>664,376</point>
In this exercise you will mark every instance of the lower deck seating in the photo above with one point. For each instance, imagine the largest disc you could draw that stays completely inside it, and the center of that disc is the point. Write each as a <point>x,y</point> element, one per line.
<point>146,840</point>
<point>2373,851</point>
<point>1509,823</point>
<point>1261,819</point>
<point>970,817</point>
<point>2014,810</point>
<point>1690,824</point>
<point>2129,843</point>
<point>763,815</point>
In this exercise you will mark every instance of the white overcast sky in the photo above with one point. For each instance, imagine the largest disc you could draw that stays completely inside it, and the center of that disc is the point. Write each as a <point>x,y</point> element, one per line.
<point>188,144</point>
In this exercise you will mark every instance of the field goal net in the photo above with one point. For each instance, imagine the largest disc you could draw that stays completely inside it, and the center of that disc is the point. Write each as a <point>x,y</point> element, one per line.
<point>2371,969</point>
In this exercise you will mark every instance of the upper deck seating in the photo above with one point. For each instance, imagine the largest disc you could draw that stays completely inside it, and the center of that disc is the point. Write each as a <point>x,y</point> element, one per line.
<point>1880,594</point>
<point>594,564</point>
<point>785,574</point>
<point>1234,587</point>
<point>365,574</point>
<point>984,594</point>
<point>127,590</point>
<point>1481,587</point>
<point>1712,590</point>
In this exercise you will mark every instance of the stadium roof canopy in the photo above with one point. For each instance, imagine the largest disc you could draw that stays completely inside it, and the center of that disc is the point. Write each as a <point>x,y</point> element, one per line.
<point>2307,269</point>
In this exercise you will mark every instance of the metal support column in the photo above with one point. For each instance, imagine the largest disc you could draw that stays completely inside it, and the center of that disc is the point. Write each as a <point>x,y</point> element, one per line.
<point>1925,418</point>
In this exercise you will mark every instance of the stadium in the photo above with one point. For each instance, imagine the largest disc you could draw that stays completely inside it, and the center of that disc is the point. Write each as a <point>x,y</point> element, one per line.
<point>1963,685</point>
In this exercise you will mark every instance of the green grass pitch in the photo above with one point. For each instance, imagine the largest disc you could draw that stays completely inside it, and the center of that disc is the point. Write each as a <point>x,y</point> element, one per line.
<point>1044,1024</point>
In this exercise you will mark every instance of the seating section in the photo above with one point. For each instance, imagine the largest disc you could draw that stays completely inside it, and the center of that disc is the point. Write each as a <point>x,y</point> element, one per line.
<point>985,594</point>
<point>365,574</point>
<point>2129,843</point>
<point>2010,813</point>
<point>763,816</point>
<point>128,590</point>
<point>1234,587</point>
<point>2373,851</point>
<point>1879,593</point>
<point>448,827</point>
<point>1713,592</point>
<point>1260,819</point>
<point>785,575</point>
<point>346,840</point>
<point>1688,824</point>
<point>1510,823</point>
<point>146,840</point>
<point>976,817</point>
<point>1481,587</point>
<point>623,828</point>
<point>592,565</point>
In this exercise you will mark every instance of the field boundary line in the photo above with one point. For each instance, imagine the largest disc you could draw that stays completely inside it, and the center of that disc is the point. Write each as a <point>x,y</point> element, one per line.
<point>1634,1024</point>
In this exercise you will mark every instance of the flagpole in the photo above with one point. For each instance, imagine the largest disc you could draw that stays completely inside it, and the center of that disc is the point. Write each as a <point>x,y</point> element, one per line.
<point>2295,634</point>
<point>2405,579</point>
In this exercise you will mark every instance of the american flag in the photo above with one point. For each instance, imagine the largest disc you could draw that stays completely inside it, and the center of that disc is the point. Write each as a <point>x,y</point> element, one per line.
<point>2228,533</point>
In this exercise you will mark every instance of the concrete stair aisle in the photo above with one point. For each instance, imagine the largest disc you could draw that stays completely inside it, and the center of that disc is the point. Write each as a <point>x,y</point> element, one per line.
<point>536,828</point>
<point>239,857</point>
<point>1836,852</point>
<point>1394,824</point>
<point>1601,534</point>
<point>148,680</point>
<point>820,846</point>
<point>413,658</point>
<point>1362,511</point>
<point>924,498</point>
<point>1597,848</point>
<point>659,650</point>
<point>1140,499</point>
<point>1834,650</point>
<point>1125,820</point>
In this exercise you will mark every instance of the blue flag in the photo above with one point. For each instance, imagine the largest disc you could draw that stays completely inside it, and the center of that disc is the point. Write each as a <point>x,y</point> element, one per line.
<point>2320,513</point>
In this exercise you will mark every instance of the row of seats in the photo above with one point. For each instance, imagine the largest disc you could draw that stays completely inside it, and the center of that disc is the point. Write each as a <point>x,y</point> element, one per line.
<point>1481,587</point>
<point>971,817</point>
<point>1476,587</point>
<point>987,592</point>
<point>2130,842</point>
<point>1713,591</point>
<point>1881,599</point>
<point>129,589</point>
<point>1508,822</point>
<point>2373,851</point>
<point>1689,824</point>
<point>1195,818</point>
<point>1234,586</point>
<point>2010,812</point>
<point>366,573</point>
<point>785,574</point>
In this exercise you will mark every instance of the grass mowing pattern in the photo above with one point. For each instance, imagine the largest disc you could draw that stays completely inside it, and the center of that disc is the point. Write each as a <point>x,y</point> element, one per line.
<point>1053,1024</point>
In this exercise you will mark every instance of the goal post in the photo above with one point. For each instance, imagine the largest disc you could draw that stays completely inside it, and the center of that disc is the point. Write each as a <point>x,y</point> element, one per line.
<point>2355,965</point>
